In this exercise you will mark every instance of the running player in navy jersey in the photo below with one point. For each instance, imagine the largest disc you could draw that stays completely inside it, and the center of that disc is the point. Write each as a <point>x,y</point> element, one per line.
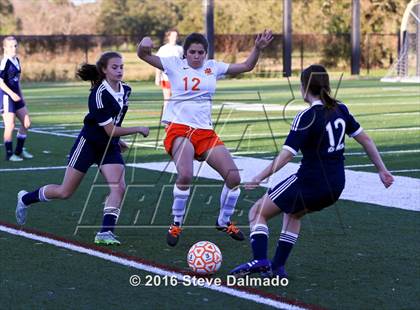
<point>98,142</point>
<point>12,103</point>
<point>318,132</point>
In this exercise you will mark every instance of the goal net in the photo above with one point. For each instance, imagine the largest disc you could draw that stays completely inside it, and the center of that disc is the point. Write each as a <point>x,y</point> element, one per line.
<point>407,67</point>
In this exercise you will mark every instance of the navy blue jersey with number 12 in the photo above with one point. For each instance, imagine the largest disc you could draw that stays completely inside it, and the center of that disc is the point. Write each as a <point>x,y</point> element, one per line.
<point>319,133</point>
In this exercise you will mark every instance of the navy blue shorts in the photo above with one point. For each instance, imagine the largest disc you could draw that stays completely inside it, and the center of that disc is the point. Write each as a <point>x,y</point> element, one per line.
<point>292,196</point>
<point>84,154</point>
<point>7,105</point>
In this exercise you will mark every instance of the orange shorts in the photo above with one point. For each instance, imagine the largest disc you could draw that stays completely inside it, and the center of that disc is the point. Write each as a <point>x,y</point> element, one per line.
<point>165,84</point>
<point>202,139</point>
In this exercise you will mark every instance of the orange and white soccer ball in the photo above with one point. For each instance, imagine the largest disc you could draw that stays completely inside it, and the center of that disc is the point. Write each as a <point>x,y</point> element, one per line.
<point>204,258</point>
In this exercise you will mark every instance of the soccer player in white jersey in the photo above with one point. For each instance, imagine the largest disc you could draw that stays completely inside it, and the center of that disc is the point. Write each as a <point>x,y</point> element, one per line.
<point>170,49</point>
<point>12,103</point>
<point>189,127</point>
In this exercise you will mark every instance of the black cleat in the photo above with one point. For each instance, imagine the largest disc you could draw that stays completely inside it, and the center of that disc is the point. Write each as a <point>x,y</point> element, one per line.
<point>231,230</point>
<point>173,234</point>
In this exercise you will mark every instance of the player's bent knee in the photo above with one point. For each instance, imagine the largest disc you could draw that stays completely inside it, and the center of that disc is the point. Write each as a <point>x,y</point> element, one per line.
<point>27,124</point>
<point>184,179</point>
<point>119,190</point>
<point>233,180</point>
<point>65,194</point>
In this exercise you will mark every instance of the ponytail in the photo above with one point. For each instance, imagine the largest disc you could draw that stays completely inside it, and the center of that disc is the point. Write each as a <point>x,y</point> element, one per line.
<point>328,101</point>
<point>315,80</point>
<point>88,72</point>
<point>95,73</point>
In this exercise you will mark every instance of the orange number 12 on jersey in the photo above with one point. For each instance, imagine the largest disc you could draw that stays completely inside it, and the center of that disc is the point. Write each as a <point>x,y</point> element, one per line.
<point>196,82</point>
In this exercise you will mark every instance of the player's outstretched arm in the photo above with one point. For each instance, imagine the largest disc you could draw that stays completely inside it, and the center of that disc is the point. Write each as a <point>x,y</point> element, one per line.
<point>114,131</point>
<point>262,41</point>
<point>279,162</point>
<point>371,150</point>
<point>144,51</point>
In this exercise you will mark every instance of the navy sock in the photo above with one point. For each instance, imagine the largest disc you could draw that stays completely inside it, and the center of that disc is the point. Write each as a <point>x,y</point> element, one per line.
<point>19,144</point>
<point>259,241</point>
<point>35,196</point>
<point>108,222</point>
<point>284,247</point>
<point>9,148</point>
<point>31,197</point>
<point>110,218</point>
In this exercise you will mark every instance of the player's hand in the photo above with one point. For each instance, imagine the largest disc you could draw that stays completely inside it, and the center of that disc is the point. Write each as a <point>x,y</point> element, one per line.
<point>253,184</point>
<point>386,178</point>
<point>263,39</point>
<point>123,146</point>
<point>145,46</point>
<point>144,131</point>
<point>15,97</point>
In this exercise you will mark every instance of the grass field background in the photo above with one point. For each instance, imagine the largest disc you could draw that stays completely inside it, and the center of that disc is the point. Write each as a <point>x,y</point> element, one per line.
<point>350,256</point>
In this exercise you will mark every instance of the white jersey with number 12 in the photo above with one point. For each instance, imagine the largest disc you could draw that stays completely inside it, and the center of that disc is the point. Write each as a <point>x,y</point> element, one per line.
<point>192,91</point>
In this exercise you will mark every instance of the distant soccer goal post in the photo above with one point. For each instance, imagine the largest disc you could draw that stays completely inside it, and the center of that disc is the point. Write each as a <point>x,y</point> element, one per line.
<point>407,67</point>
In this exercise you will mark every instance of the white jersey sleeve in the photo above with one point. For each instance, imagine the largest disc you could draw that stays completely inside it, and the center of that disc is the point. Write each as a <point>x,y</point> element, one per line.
<point>170,64</point>
<point>221,68</point>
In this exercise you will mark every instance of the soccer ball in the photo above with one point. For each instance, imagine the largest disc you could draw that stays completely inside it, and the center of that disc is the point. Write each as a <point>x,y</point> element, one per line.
<point>204,258</point>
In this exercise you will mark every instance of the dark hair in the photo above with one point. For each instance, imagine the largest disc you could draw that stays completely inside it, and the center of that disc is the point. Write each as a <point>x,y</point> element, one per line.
<point>196,38</point>
<point>316,81</point>
<point>95,73</point>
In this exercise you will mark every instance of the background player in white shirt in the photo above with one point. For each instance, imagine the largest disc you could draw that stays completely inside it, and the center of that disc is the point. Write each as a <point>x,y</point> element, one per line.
<point>189,130</point>
<point>170,49</point>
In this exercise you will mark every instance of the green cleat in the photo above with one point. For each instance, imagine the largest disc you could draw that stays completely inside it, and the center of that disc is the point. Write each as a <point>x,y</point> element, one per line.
<point>106,238</point>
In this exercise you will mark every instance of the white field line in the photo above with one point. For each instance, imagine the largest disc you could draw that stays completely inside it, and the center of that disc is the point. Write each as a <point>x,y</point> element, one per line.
<point>405,170</point>
<point>58,113</point>
<point>62,133</point>
<point>33,168</point>
<point>363,153</point>
<point>237,153</point>
<point>360,186</point>
<point>400,114</point>
<point>250,107</point>
<point>359,166</point>
<point>152,144</point>
<point>149,268</point>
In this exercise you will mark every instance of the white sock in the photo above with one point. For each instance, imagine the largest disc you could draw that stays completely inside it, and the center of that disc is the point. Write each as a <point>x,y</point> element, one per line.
<point>41,194</point>
<point>228,199</point>
<point>179,204</point>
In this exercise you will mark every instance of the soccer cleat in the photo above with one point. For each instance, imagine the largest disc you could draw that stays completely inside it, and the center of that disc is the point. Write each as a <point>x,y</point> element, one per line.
<point>173,234</point>
<point>15,157</point>
<point>21,209</point>
<point>256,265</point>
<point>106,238</point>
<point>231,230</point>
<point>279,272</point>
<point>26,155</point>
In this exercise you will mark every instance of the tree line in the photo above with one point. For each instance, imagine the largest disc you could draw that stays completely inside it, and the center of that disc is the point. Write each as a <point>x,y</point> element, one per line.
<point>154,17</point>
